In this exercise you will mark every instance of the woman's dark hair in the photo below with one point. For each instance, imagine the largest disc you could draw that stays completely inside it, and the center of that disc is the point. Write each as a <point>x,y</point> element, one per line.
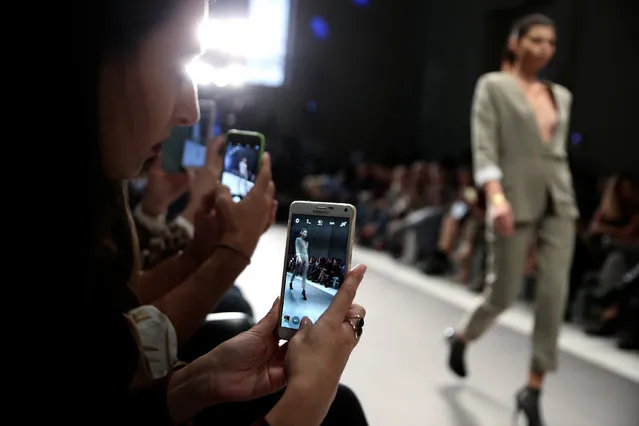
<point>523,25</point>
<point>112,27</point>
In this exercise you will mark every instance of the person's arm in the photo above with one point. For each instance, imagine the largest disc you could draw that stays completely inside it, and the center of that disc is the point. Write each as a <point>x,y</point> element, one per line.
<point>484,142</point>
<point>169,273</point>
<point>296,408</point>
<point>622,233</point>
<point>115,352</point>
<point>298,247</point>
<point>188,304</point>
<point>165,277</point>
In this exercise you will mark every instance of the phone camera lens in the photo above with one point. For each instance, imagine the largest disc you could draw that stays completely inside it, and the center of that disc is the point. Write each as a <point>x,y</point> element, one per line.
<point>345,209</point>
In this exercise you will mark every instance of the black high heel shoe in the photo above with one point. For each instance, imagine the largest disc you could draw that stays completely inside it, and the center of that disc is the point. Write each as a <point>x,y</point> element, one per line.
<point>527,401</point>
<point>456,360</point>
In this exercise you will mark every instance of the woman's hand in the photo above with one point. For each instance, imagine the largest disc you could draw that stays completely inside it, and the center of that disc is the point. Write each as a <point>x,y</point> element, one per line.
<point>201,209</point>
<point>252,364</point>
<point>502,215</point>
<point>316,358</point>
<point>318,353</point>
<point>249,365</point>
<point>162,188</point>
<point>241,224</point>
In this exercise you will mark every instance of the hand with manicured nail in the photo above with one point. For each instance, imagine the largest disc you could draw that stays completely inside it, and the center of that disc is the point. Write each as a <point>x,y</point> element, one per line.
<point>253,364</point>
<point>247,366</point>
<point>317,355</point>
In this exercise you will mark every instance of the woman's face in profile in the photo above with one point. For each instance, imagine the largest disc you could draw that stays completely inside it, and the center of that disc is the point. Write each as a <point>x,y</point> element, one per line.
<point>144,94</point>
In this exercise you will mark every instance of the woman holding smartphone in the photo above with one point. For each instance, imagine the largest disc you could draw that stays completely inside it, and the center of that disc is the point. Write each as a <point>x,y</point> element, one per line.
<point>135,90</point>
<point>519,132</point>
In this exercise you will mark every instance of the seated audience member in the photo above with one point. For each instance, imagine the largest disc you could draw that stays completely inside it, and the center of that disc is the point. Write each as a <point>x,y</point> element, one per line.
<point>373,227</point>
<point>617,220</point>
<point>421,226</point>
<point>136,90</point>
<point>458,222</point>
<point>618,312</point>
<point>616,225</point>
<point>416,197</point>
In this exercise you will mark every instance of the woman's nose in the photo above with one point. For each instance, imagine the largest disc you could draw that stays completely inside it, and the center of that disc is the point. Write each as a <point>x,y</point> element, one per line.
<point>188,111</point>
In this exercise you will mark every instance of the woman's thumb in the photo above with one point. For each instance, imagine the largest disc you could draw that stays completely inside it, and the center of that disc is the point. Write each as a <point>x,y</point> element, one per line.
<point>223,200</point>
<point>305,323</point>
<point>270,320</point>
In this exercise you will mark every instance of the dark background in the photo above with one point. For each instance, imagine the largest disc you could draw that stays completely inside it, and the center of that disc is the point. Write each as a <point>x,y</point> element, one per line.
<point>324,241</point>
<point>395,80</point>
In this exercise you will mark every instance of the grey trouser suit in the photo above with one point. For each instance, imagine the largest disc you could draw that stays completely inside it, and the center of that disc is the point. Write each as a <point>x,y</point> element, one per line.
<point>536,180</point>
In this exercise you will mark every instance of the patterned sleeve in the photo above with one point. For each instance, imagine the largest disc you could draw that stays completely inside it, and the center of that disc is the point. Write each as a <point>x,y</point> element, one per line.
<point>159,240</point>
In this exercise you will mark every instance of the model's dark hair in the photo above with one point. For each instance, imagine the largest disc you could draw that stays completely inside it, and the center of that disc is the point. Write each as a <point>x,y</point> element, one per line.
<point>523,25</point>
<point>113,27</point>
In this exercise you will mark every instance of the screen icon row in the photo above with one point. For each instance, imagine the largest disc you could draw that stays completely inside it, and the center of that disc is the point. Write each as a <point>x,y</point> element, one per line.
<point>320,222</point>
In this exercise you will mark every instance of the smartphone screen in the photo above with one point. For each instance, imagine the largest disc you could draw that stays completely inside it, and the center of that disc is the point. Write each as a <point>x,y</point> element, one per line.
<point>316,261</point>
<point>241,163</point>
<point>194,155</point>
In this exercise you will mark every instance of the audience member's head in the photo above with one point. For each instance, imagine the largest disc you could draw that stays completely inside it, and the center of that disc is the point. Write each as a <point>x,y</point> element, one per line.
<point>619,197</point>
<point>399,176</point>
<point>418,174</point>
<point>143,90</point>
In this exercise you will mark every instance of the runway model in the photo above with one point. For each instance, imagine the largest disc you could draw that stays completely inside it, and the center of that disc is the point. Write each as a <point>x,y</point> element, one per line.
<point>243,169</point>
<point>301,260</point>
<point>519,133</point>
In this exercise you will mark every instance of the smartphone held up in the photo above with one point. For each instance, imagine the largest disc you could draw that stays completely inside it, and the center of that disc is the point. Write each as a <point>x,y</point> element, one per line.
<point>319,245</point>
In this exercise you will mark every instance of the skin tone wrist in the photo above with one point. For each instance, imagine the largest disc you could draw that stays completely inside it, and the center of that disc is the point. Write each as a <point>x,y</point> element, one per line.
<point>151,208</point>
<point>295,408</point>
<point>235,241</point>
<point>189,213</point>
<point>493,188</point>
<point>188,393</point>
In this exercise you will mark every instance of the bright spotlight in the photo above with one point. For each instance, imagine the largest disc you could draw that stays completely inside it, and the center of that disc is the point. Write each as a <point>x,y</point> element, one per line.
<point>201,72</point>
<point>205,74</point>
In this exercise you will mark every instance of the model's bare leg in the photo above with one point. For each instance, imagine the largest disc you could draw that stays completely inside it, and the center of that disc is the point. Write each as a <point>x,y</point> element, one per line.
<point>290,284</point>
<point>304,271</point>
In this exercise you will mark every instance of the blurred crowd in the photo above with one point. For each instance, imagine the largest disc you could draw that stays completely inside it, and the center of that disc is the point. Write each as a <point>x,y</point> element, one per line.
<point>433,217</point>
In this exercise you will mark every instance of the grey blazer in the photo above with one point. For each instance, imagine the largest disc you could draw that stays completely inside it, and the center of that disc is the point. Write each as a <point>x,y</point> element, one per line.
<point>507,146</point>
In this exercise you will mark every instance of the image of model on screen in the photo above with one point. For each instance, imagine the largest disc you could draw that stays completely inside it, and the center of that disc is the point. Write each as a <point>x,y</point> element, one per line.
<point>243,169</point>
<point>301,260</point>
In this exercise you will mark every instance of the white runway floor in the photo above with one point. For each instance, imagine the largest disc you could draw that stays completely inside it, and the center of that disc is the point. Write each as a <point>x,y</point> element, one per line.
<point>398,370</point>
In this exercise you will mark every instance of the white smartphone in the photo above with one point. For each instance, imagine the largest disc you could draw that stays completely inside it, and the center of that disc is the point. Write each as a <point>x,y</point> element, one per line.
<point>319,244</point>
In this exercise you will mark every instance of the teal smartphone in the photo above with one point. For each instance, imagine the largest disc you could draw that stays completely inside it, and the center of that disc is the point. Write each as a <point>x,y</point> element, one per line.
<point>186,147</point>
<point>243,152</point>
